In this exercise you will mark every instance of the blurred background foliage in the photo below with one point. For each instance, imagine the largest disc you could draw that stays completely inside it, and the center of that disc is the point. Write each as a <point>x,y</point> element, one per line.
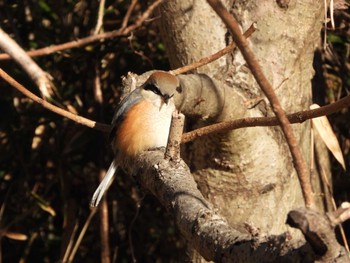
<point>47,162</point>
<point>332,82</point>
<point>49,166</point>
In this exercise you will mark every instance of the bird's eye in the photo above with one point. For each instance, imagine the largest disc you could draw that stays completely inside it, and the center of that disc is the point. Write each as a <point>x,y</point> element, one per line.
<point>153,88</point>
<point>179,89</point>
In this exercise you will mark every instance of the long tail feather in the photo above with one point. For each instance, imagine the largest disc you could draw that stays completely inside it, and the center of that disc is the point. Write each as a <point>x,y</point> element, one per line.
<point>104,185</point>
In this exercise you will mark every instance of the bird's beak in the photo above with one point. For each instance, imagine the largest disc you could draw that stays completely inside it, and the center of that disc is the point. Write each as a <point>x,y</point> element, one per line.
<point>165,100</point>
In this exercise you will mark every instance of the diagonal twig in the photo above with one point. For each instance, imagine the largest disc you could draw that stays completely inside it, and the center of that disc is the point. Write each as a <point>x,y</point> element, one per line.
<point>243,45</point>
<point>99,22</point>
<point>38,76</point>
<point>128,13</point>
<point>76,118</point>
<point>215,56</point>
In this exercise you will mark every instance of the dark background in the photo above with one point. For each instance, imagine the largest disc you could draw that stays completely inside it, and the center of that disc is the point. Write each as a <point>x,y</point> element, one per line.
<point>47,162</point>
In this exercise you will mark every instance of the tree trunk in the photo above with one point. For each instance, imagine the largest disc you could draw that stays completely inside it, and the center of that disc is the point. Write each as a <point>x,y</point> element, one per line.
<point>248,173</point>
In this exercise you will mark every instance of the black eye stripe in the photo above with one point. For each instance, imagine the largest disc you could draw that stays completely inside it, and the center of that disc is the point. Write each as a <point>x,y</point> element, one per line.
<point>153,88</point>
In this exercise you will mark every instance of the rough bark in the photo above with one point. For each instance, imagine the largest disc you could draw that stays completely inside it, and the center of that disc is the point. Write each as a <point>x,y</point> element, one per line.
<point>200,223</point>
<point>248,174</point>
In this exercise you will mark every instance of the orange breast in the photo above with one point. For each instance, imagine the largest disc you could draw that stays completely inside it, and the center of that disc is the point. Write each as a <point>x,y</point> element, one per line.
<point>141,128</point>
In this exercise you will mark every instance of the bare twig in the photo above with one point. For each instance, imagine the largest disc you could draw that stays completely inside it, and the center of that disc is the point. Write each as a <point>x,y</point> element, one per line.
<point>173,147</point>
<point>38,76</point>
<point>91,39</point>
<point>128,14</point>
<point>297,117</point>
<point>103,212</point>
<point>70,244</point>
<point>138,202</point>
<point>333,216</point>
<point>99,23</point>
<point>340,215</point>
<point>81,235</point>
<point>243,45</point>
<point>76,118</point>
<point>98,96</point>
<point>28,247</point>
<point>104,227</point>
<point>215,56</point>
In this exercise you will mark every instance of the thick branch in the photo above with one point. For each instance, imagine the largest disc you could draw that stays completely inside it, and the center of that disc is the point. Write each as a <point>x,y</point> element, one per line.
<point>319,232</point>
<point>207,231</point>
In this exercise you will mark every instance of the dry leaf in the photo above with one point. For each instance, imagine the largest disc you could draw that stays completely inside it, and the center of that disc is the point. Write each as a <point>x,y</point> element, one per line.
<point>16,236</point>
<point>43,204</point>
<point>324,128</point>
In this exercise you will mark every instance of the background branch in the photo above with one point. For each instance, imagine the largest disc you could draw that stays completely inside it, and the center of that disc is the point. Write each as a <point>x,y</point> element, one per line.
<point>38,76</point>
<point>99,24</point>
<point>91,39</point>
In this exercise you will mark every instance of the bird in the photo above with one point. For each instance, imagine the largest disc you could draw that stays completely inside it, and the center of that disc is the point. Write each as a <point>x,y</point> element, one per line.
<point>141,122</point>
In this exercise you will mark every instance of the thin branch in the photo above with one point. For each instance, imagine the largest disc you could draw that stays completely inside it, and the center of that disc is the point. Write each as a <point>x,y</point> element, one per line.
<point>297,117</point>
<point>340,215</point>
<point>91,39</point>
<point>104,226</point>
<point>76,118</point>
<point>70,244</point>
<point>103,212</point>
<point>334,214</point>
<point>215,56</point>
<point>38,76</point>
<point>128,13</point>
<point>243,45</point>
<point>81,235</point>
<point>99,23</point>
<point>176,129</point>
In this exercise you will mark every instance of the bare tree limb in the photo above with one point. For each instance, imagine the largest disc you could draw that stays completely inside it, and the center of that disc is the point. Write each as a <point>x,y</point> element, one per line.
<point>197,220</point>
<point>319,232</point>
<point>38,76</point>
<point>243,45</point>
